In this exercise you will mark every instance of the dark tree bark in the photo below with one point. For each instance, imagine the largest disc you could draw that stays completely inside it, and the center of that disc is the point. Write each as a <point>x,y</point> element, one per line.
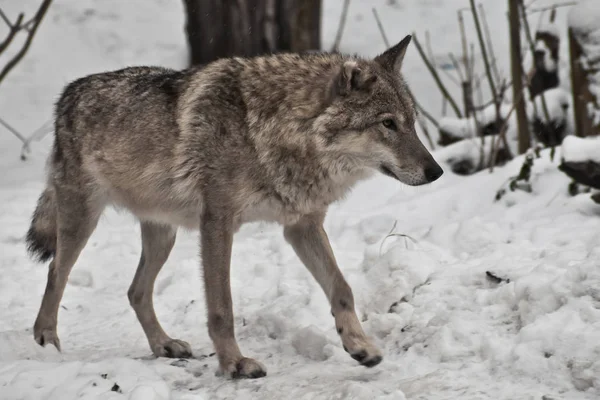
<point>225,28</point>
<point>516,66</point>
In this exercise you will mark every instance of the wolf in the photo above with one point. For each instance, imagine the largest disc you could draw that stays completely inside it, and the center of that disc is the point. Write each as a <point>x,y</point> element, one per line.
<point>270,138</point>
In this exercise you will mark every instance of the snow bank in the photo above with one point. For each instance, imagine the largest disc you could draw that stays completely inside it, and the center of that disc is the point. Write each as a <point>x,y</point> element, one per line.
<point>558,103</point>
<point>576,149</point>
<point>584,18</point>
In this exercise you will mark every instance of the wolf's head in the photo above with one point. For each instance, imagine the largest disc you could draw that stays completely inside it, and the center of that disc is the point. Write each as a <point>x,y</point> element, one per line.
<point>370,118</point>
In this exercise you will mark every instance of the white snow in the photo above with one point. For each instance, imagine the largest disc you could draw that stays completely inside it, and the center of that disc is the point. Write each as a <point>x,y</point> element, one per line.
<point>558,103</point>
<point>584,18</point>
<point>549,64</point>
<point>416,258</point>
<point>550,28</point>
<point>578,149</point>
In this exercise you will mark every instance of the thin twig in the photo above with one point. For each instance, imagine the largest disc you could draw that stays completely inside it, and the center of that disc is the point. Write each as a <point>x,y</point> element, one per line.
<point>14,29</point>
<point>342,24</point>
<point>486,61</point>
<point>436,77</point>
<point>5,18</point>
<point>463,40</point>
<point>423,124</point>
<point>380,26</point>
<point>488,37</point>
<point>554,6</point>
<point>532,49</point>
<point>13,130</point>
<point>503,129</point>
<point>39,16</point>
<point>456,66</point>
<point>426,114</point>
<point>428,46</point>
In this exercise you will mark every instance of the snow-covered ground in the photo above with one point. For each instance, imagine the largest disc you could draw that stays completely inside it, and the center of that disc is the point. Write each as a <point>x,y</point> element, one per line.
<point>448,331</point>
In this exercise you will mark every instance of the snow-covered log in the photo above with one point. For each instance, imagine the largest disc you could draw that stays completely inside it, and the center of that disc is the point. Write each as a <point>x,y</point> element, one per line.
<point>581,160</point>
<point>558,103</point>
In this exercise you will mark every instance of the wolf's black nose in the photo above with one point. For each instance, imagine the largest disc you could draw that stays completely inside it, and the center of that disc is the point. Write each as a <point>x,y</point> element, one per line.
<point>433,172</point>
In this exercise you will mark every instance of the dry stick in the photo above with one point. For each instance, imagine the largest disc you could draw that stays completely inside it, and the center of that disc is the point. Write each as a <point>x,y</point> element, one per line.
<point>5,18</point>
<point>30,35</point>
<point>552,7</point>
<point>14,28</point>
<point>480,98</point>
<point>342,24</point>
<point>488,70</point>
<point>503,132</point>
<point>463,37</point>
<point>380,26</point>
<point>456,66</point>
<point>13,130</point>
<point>467,80</point>
<point>484,55</point>
<point>429,51</point>
<point>426,114</point>
<point>449,76</point>
<point>532,49</point>
<point>488,37</point>
<point>436,77</point>
<point>423,125</point>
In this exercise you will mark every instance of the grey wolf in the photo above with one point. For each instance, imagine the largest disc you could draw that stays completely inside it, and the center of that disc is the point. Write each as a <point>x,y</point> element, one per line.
<point>274,138</point>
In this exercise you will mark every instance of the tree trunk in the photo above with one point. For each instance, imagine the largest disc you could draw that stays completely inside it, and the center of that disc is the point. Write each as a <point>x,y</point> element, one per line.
<point>516,64</point>
<point>225,28</point>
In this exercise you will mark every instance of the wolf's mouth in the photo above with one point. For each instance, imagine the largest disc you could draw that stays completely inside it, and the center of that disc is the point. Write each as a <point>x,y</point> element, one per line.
<point>386,171</point>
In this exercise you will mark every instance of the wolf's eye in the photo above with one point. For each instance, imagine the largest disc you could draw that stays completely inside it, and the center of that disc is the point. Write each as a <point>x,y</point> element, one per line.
<point>390,124</point>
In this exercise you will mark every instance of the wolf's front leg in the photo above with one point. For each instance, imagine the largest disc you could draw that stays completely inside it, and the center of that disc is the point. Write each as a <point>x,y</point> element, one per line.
<point>216,232</point>
<point>310,242</point>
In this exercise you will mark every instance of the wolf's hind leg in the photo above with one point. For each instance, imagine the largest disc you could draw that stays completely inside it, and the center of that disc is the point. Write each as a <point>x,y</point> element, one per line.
<point>157,243</point>
<point>310,242</point>
<point>77,216</point>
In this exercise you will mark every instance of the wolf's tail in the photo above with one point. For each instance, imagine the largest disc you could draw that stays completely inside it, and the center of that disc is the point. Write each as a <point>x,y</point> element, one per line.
<point>41,237</point>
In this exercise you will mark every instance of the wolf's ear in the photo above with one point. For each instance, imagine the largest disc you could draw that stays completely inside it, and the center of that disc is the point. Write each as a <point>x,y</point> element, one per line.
<point>391,60</point>
<point>350,77</point>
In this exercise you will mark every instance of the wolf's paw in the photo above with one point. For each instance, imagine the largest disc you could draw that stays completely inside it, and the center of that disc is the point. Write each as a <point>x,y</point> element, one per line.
<point>45,336</point>
<point>244,368</point>
<point>365,353</point>
<point>173,348</point>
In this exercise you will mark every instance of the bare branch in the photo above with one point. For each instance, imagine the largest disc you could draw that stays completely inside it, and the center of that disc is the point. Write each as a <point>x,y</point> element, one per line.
<point>5,18</point>
<point>532,49</point>
<point>483,50</point>
<point>488,37</point>
<point>463,40</point>
<point>12,33</point>
<point>380,26</point>
<point>456,66</point>
<point>342,24</point>
<point>552,7</point>
<point>39,16</point>
<point>13,130</point>
<point>429,50</point>
<point>436,77</point>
